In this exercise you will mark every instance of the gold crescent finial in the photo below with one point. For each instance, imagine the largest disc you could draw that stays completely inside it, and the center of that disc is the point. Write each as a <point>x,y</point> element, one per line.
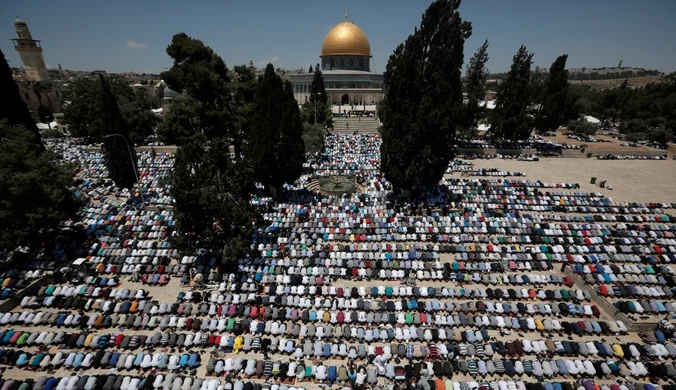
<point>346,14</point>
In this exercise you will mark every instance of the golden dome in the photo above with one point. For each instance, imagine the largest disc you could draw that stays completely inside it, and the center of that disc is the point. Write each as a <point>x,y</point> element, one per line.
<point>346,39</point>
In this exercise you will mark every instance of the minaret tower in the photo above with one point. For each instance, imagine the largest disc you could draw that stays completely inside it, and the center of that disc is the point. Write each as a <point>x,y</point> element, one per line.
<point>31,53</point>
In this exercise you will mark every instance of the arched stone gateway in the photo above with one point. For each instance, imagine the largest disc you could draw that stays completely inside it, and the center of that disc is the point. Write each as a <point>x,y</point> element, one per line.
<point>345,99</point>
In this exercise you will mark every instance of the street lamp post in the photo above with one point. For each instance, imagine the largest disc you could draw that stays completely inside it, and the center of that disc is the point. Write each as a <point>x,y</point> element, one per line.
<point>131,158</point>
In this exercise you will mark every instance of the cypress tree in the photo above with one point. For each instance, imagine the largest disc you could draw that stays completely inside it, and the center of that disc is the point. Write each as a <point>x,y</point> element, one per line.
<point>423,104</point>
<point>264,131</point>
<point>13,109</point>
<point>317,103</point>
<point>476,86</point>
<point>510,119</point>
<point>34,190</point>
<point>118,151</point>
<point>555,110</point>
<point>318,89</point>
<point>275,149</point>
<point>291,148</point>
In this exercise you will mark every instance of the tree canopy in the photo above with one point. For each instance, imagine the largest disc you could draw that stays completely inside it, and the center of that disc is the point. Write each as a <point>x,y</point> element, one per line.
<point>181,124</point>
<point>84,116</point>
<point>313,138</point>
<point>212,195</point>
<point>203,75</point>
<point>423,104</point>
<point>654,102</point>
<point>317,104</point>
<point>211,190</point>
<point>556,105</point>
<point>275,145</point>
<point>119,155</point>
<point>475,88</point>
<point>219,102</point>
<point>34,191</point>
<point>13,109</point>
<point>510,118</point>
<point>582,127</point>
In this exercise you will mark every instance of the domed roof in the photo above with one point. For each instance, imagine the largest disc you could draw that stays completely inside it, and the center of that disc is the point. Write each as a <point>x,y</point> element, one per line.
<point>18,22</point>
<point>168,92</point>
<point>346,38</point>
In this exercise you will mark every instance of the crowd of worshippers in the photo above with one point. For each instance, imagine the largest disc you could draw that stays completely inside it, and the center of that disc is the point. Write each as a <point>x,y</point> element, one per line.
<point>287,316</point>
<point>184,382</point>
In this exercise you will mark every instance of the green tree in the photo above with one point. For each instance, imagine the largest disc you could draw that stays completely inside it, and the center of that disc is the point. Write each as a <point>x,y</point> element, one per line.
<point>633,126</point>
<point>313,138</point>
<point>510,119</point>
<point>318,102</point>
<point>611,114</point>
<point>202,73</point>
<point>475,87</point>
<point>119,155</point>
<point>537,87</point>
<point>423,105</point>
<point>212,195</point>
<point>635,137</point>
<point>34,192</point>
<point>661,136</point>
<point>310,70</point>
<point>83,113</point>
<point>244,87</point>
<point>180,124</point>
<point>211,190</point>
<point>555,109</point>
<point>275,145</point>
<point>13,109</point>
<point>582,127</point>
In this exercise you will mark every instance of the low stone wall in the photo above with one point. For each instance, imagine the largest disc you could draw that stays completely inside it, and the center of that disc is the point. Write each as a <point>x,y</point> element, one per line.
<point>628,152</point>
<point>608,307</point>
<point>32,289</point>
<point>158,149</point>
<point>481,151</point>
<point>572,153</point>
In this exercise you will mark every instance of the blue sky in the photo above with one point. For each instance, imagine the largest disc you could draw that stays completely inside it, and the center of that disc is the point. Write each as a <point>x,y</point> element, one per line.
<point>132,35</point>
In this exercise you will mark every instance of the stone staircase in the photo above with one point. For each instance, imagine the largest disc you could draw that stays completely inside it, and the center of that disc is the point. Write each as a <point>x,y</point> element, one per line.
<point>349,125</point>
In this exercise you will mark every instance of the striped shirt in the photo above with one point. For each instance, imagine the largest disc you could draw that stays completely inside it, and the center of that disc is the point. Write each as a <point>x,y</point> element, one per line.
<point>499,366</point>
<point>472,367</point>
<point>267,368</point>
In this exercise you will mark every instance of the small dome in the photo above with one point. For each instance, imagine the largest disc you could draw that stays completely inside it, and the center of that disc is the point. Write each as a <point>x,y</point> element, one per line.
<point>19,23</point>
<point>170,92</point>
<point>346,38</point>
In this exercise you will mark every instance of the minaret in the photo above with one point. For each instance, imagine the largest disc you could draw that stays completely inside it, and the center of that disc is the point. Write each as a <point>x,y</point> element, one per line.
<point>31,53</point>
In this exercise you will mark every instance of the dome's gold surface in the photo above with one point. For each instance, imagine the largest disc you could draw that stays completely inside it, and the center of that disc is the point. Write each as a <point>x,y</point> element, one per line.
<point>346,39</point>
